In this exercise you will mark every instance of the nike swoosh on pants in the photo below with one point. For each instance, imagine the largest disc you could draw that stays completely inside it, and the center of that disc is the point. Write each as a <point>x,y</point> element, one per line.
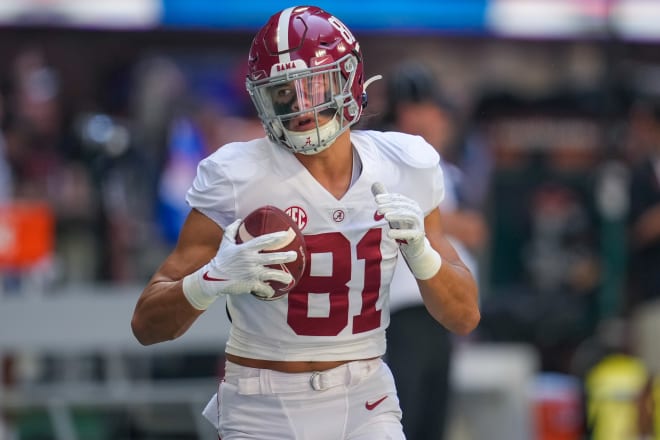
<point>371,405</point>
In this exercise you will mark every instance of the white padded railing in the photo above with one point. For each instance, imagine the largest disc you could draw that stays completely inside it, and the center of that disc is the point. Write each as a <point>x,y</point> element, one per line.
<point>80,320</point>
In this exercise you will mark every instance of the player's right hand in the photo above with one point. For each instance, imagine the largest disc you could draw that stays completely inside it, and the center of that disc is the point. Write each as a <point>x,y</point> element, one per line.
<point>239,268</point>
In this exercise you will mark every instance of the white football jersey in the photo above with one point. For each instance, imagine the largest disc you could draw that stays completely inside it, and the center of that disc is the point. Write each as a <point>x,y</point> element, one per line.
<point>339,310</point>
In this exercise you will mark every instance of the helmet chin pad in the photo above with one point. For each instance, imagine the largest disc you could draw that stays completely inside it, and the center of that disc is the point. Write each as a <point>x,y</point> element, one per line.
<point>312,141</point>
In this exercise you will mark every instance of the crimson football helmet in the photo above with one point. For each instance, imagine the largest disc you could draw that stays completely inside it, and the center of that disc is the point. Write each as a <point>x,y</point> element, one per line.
<point>305,77</point>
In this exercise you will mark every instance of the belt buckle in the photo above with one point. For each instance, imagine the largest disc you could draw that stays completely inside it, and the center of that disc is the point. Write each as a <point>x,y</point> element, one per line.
<point>315,381</point>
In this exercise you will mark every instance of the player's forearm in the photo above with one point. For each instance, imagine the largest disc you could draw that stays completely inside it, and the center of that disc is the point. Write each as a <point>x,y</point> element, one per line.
<point>162,313</point>
<point>451,297</point>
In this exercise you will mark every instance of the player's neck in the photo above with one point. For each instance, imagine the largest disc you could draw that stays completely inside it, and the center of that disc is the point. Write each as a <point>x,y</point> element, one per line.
<point>333,167</point>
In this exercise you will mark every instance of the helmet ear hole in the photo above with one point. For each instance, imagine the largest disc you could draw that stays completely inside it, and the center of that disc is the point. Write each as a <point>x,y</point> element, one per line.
<point>365,100</point>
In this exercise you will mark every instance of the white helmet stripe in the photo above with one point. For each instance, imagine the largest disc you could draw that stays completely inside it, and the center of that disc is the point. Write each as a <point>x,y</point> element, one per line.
<point>283,35</point>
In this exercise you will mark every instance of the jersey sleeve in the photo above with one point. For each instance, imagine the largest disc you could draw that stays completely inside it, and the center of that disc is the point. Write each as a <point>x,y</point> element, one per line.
<point>438,192</point>
<point>423,177</point>
<point>212,193</point>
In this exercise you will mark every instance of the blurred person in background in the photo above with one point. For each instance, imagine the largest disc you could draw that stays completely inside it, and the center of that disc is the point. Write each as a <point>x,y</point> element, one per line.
<point>195,127</point>
<point>35,126</point>
<point>544,262</point>
<point>644,214</point>
<point>309,364</point>
<point>42,153</point>
<point>643,277</point>
<point>418,348</point>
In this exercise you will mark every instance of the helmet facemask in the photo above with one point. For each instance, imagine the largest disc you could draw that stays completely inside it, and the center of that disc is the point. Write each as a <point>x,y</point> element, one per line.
<point>306,109</point>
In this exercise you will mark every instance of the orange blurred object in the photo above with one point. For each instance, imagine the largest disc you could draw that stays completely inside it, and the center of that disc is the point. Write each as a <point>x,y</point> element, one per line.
<point>27,234</point>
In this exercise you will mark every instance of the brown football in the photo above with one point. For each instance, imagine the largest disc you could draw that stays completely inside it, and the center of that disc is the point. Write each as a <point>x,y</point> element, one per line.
<point>265,220</point>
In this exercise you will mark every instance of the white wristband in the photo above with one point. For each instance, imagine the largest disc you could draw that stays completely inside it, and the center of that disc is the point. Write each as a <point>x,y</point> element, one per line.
<point>192,290</point>
<point>426,264</point>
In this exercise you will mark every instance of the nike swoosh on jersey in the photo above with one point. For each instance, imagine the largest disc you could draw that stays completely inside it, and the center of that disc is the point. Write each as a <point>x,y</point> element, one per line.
<point>371,405</point>
<point>378,217</point>
<point>207,277</point>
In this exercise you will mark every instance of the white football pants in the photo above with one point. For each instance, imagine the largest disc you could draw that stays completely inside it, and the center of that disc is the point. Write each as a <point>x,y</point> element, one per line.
<point>355,401</point>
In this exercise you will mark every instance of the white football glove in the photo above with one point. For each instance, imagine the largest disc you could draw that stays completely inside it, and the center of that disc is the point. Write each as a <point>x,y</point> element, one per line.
<point>406,221</point>
<point>239,268</point>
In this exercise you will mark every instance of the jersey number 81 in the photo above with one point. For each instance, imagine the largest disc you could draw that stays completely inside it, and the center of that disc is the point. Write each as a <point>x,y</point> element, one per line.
<point>336,285</point>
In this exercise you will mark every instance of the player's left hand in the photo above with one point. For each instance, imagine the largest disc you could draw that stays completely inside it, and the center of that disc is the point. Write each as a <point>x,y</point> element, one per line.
<point>405,217</point>
<point>406,220</point>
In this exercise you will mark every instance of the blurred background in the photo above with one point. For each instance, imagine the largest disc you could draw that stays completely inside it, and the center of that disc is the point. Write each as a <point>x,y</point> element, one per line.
<point>106,107</point>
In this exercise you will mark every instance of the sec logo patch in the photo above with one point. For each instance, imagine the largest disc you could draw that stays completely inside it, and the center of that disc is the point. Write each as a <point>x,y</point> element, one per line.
<point>298,215</point>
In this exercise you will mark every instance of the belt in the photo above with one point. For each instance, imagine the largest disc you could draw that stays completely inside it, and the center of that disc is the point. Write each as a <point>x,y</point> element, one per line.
<point>262,381</point>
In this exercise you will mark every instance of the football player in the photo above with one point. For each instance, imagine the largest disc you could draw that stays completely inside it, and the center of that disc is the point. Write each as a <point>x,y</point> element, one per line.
<point>308,365</point>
